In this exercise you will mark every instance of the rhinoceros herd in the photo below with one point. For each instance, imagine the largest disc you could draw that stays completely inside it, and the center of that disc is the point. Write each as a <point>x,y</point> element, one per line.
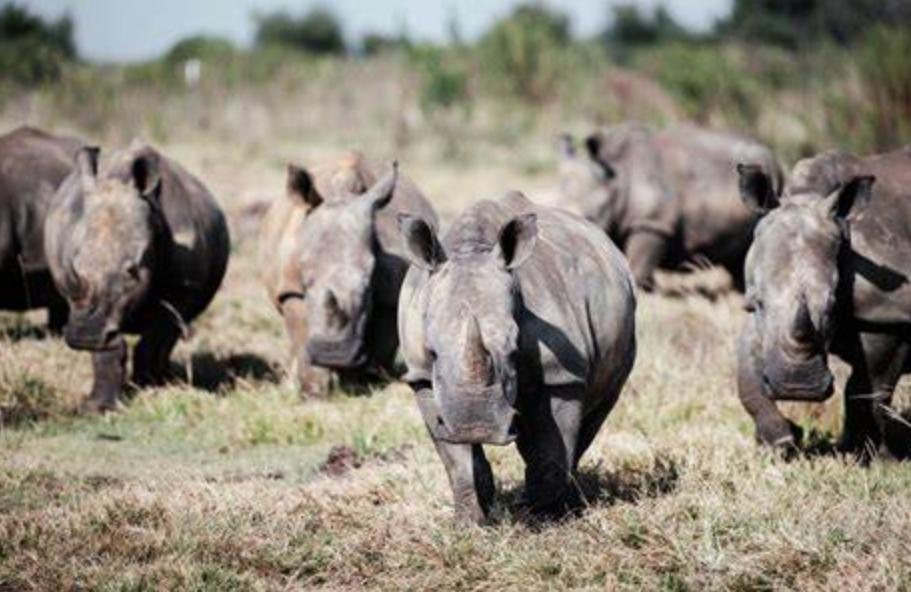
<point>516,324</point>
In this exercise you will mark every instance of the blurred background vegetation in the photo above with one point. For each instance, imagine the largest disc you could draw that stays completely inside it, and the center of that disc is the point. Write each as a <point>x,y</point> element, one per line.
<point>802,75</point>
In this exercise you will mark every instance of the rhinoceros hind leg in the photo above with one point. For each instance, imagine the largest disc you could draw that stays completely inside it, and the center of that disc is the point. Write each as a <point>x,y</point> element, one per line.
<point>645,251</point>
<point>877,367</point>
<point>110,374</point>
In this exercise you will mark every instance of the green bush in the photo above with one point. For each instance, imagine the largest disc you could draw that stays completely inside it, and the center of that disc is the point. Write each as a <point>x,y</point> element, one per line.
<point>201,47</point>
<point>443,78</point>
<point>706,80</point>
<point>524,54</point>
<point>317,31</point>
<point>33,51</point>
<point>884,65</point>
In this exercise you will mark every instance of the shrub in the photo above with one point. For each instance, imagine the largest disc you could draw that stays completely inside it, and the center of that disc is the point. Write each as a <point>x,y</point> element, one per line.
<point>884,65</point>
<point>523,55</point>
<point>33,51</point>
<point>443,76</point>
<point>706,80</point>
<point>200,47</point>
<point>317,31</point>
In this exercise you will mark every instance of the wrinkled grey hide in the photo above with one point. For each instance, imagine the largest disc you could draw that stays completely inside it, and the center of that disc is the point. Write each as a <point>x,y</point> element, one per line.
<point>519,325</point>
<point>332,261</point>
<point>33,163</point>
<point>828,274</point>
<point>668,198</point>
<point>137,246</point>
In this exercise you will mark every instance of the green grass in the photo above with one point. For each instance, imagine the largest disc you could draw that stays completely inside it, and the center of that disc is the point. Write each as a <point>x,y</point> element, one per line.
<point>193,490</point>
<point>225,485</point>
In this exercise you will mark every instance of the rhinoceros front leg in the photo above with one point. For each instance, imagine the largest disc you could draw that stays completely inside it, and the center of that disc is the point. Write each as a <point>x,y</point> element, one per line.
<point>645,250</point>
<point>153,352</point>
<point>312,381</point>
<point>772,428</point>
<point>470,476</point>
<point>109,368</point>
<point>549,436</point>
<point>876,369</point>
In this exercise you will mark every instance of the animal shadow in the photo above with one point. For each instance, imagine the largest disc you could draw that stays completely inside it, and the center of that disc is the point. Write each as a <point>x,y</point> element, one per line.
<point>593,486</point>
<point>19,329</point>
<point>213,372</point>
<point>896,443</point>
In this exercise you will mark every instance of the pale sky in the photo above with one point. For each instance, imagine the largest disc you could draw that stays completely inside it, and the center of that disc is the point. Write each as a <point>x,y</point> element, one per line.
<point>129,30</point>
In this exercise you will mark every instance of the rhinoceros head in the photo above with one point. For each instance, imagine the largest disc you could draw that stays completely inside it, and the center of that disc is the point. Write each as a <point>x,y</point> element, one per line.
<point>336,259</point>
<point>111,255</point>
<point>588,181</point>
<point>792,277</point>
<point>470,330</point>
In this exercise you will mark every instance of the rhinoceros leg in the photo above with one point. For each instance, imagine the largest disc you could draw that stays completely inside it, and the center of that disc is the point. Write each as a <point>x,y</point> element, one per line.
<point>772,428</point>
<point>110,374</point>
<point>470,476</point>
<point>645,251</point>
<point>549,434</point>
<point>312,381</point>
<point>153,352</point>
<point>384,339</point>
<point>876,369</point>
<point>57,316</point>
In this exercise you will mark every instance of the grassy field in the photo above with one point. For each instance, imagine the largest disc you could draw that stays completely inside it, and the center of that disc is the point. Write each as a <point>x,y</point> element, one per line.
<point>226,480</point>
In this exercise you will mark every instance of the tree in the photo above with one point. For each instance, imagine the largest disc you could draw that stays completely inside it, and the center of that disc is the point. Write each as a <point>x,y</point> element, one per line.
<point>33,50</point>
<point>794,24</point>
<point>523,54</point>
<point>318,31</point>
<point>630,27</point>
<point>202,47</point>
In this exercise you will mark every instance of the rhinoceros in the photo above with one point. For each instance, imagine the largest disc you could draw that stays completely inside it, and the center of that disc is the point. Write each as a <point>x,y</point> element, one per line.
<point>137,246</point>
<point>333,265</point>
<point>828,274</point>
<point>33,163</point>
<point>518,326</point>
<point>667,198</point>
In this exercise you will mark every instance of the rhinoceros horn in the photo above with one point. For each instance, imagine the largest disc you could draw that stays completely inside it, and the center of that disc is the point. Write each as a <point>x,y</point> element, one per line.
<point>476,360</point>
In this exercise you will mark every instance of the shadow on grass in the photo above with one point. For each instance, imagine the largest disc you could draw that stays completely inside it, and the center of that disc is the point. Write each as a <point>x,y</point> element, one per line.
<point>593,486</point>
<point>896,440</point>
<point>214,373</point>
<point>19,329</point>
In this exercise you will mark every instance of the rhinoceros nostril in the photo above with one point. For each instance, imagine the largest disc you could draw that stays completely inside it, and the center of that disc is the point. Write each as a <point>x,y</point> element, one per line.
<point>336,314</point>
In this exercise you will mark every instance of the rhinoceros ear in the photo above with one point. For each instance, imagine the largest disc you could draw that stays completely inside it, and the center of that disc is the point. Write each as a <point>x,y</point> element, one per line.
<point>593,145</point>
<point>517,240</point>
<point>146,173</point>
<point>847,197</point>
<point>382,191</point>
<point>756,189</point>
<point>422,247</point>
<point>87,166</point>
<point>566,145</point>
<point>301,187</point>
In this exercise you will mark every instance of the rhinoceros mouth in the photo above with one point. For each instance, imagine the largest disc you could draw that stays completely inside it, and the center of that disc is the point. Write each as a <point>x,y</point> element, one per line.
<point>790,391</point>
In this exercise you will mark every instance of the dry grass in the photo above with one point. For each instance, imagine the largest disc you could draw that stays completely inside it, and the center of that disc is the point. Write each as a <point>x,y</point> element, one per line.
<point>220,484</point>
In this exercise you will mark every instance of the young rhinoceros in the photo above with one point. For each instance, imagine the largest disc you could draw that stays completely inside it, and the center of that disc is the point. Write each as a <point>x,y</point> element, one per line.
<point>667,198</point>
<point>33,163</point>
<point>519,326</point>
<point>332,262</point>
<point>138,246</point>
<point>828,273</point>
